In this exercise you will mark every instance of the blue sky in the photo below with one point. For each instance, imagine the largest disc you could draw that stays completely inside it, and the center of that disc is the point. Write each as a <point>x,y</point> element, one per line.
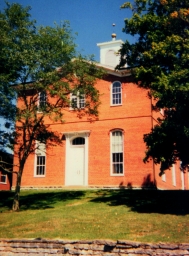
<point>91,19</point>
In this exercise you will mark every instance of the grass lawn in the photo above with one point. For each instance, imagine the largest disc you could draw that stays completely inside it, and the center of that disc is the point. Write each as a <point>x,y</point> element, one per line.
<point>137,215</point>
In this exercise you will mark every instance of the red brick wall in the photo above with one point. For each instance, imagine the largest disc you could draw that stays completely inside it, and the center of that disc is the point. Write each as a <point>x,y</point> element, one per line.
<point>7,185</point>
<point>169,182</point>
<point>133,117</point>
<point>6,158</point>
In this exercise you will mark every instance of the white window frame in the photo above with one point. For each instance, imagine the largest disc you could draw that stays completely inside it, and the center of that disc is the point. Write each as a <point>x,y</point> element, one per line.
<point>3,175</point>
<point>112,152</point>
<point>163,177</point>
<point>182,180</point>
<point>79,100</point>
<point>116,93</point>
<point>41,102</point>
<point>173,168</point>
<point>162,111</point>
<point>40,152</point>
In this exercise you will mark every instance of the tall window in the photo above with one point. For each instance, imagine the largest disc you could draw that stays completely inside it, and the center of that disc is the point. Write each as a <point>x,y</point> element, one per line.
<point>42,100</point>
<point>173,168</point>
<point>77,101</point>
<point>40,159</point>
<point>117,153</point>
<point>116,97</point>
<point>163,177</point>
<point>3,177</point>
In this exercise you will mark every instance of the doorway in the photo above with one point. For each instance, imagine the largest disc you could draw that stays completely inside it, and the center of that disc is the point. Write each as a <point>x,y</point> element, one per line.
<point>76,158</point>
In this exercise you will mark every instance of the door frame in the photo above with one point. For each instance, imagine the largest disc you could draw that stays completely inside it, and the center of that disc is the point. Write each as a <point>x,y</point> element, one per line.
<point>69,137</point>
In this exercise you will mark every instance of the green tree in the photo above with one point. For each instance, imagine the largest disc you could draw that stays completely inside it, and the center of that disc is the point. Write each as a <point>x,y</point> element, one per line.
<point>159,58</point>
<point>40,65</point>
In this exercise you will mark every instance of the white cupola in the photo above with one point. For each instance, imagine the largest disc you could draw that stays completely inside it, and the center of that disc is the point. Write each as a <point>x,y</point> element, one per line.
<point>109,56</point>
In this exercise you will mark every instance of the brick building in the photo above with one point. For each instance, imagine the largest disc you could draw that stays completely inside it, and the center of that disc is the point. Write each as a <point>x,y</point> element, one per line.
<point>109,151</point>
<point>6,177</point>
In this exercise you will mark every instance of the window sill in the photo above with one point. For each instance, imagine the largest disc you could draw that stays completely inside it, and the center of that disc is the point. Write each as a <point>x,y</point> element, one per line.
<point>117,175</point>
<point>116,105</point>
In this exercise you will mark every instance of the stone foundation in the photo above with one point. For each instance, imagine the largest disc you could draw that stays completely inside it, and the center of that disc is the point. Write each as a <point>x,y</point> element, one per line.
<point>40,247</point>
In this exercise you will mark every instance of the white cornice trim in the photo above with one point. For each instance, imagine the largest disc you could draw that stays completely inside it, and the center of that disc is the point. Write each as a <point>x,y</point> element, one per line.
<point>110,42</point>
<point>112,71</point>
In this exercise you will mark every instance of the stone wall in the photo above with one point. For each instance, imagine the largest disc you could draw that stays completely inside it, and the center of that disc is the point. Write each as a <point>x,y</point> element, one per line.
<point>40,247</point>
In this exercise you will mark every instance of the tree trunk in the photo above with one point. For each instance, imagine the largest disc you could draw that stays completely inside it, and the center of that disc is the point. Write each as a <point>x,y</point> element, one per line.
<point>15,206</point>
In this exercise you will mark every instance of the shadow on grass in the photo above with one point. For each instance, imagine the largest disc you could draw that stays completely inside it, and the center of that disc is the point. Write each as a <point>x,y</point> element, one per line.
<point>141,201</point>
<point>38,200</point>
<point>147,201</point>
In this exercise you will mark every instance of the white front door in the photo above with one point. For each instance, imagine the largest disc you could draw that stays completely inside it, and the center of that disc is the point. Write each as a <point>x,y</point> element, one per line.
<point>76,166</point>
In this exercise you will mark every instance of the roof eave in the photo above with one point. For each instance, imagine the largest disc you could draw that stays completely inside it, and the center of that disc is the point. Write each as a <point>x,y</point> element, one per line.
<point>116,72</point>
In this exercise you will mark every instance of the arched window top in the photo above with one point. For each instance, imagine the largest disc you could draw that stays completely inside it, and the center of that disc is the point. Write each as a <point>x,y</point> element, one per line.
<point>116,84</point>
<point>78,141</point>
<point>116,93</point>
<point>117,130</point>
<point>117,133</point>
